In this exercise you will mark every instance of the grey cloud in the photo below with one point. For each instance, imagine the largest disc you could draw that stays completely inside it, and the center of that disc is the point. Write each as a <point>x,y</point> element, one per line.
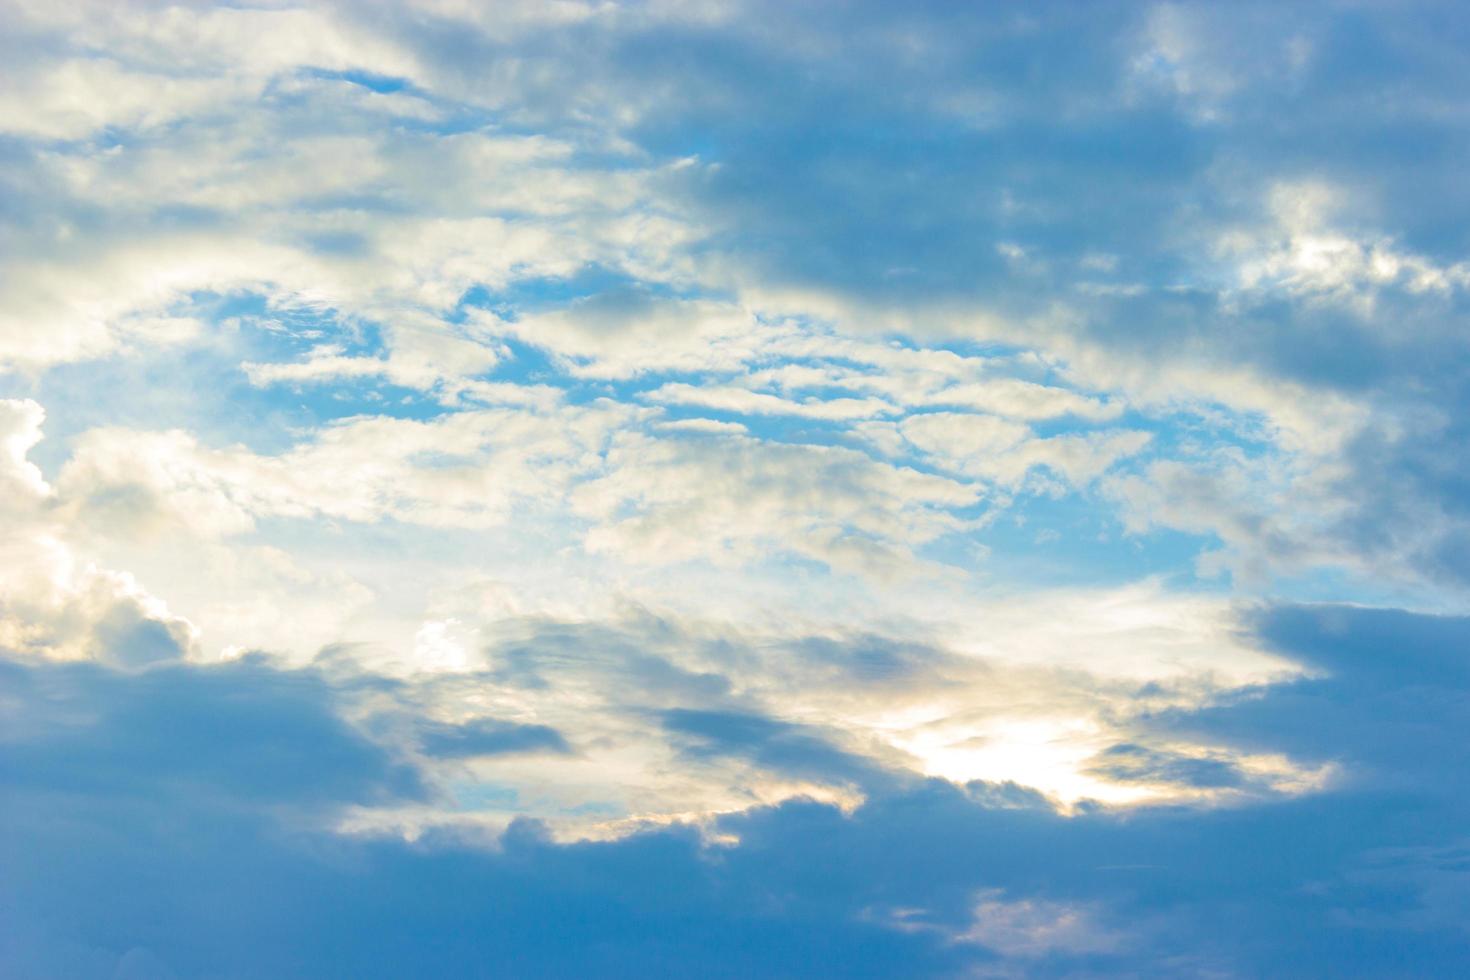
<point>778,746</point>
<point>127,636</point>
<point>1389,702</point>
<point>1361,880</point>
<point>1127,762</point>
<point>488,736</point>
<point>245,730</point>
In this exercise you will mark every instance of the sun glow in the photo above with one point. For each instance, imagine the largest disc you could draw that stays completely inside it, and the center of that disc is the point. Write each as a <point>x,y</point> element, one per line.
<point>1047,754</point>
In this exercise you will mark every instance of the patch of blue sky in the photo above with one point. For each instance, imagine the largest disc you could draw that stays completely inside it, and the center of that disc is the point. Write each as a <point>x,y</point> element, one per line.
<point>1362,588</point>
<point>1187,434</point>
<point>471,796</point>
<point>1072,540</point>
<point>529,364</point>
<point>448,117</point>
<point>219,401</point>
<point>536,294</point>
<point>282,335</point>
<point>782,428</point>
<point>296,327</point>
<point>372,82</point>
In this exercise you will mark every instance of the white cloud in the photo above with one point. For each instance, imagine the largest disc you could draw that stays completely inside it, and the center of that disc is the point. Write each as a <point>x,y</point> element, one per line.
<point>1004,452</point>
<point>1032,689</point>
<point>747,402</point>
<point>53,602</point>
<point>1036,927</point>
<point>20,430</point>
<point>468,469</point>
<point>1271,521</point>
<point>738,497</point>
<point>1301,252</point>
<point>74,98</point>
<point>622,335</point>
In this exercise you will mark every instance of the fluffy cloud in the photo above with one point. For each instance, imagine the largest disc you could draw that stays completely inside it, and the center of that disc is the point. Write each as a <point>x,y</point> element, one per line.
<point>53,602</point>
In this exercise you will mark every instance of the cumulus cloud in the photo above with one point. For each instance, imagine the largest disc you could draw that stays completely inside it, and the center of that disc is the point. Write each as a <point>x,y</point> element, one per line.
<point>20,429</point>
<point>54,602</point>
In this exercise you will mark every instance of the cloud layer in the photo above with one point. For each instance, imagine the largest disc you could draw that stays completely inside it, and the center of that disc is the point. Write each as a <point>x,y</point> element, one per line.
<point>732,488</point>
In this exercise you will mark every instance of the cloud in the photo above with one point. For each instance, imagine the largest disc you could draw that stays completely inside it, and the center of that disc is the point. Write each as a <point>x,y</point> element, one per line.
<point>928,877</point>
<point>1002,452</point>
<point>21,421</point>
<point>1129,762</point>
<point>1035,928</point>
<point>725,494</point>
<point>488,736</point>
<point>53,603</point>
<point>1308,257</point>
<point>748,402</point>
<point>780,747</point>
<point>624,332</point>
<point>244,730</point>
<point>732,487</point>
<point>483,214</point>
<point>467,469</point>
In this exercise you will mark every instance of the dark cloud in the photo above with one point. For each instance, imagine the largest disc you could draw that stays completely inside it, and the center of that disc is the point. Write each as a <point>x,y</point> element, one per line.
<point>781,747</point>
<point>874,660</point>
<point>129,637</point>
<point>244,730</point>
<point>139,832</point>
<point>1127,762</point>
<point>488,736</point>
<point>623,658</point>
<point>1391,704</point>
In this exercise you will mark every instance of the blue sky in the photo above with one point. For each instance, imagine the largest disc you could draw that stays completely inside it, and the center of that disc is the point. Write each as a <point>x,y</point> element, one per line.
<point>734,488</point>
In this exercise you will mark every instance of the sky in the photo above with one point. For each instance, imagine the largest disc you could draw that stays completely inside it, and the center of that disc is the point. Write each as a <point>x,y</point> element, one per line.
<point>733,489</point>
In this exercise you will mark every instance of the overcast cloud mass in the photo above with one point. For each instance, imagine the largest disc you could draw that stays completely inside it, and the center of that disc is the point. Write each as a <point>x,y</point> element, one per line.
<point>695,488</point>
